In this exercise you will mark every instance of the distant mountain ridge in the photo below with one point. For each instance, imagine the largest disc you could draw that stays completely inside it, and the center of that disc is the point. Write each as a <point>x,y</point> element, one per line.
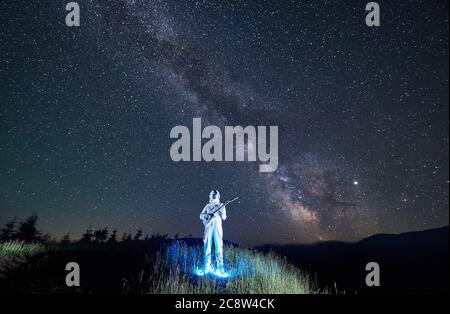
<point>411,262</point>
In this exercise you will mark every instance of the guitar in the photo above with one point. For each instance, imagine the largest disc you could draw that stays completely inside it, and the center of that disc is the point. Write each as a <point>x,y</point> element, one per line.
<point>209,216</point>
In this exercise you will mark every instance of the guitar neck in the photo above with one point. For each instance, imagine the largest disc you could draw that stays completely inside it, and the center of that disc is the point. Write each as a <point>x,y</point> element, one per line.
<point>223,205</point>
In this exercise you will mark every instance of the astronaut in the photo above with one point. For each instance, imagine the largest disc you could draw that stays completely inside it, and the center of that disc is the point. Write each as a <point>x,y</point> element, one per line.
<point>213,231</point>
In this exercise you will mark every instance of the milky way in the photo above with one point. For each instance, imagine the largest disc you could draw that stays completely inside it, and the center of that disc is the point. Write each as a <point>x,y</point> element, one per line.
<point>354,105</point>
<point>214,95</point>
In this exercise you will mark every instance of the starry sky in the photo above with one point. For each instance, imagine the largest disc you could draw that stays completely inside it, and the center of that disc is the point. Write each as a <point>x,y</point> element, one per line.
<point>86,114</point>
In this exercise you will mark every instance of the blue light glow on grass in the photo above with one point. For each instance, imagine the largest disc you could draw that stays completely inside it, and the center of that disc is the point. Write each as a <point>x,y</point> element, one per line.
<point>189,260</point>
<point>213,273</point>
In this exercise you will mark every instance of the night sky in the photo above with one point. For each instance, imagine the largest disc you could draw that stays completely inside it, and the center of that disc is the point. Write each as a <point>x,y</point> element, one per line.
<point>86,114</point>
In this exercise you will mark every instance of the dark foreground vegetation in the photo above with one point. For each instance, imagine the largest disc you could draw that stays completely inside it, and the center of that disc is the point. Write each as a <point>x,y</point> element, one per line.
<point>137,264</point>
<point>32,262</point>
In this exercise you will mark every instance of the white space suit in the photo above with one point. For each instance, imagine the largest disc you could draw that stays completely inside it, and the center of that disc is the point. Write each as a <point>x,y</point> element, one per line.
<point>213,231</point>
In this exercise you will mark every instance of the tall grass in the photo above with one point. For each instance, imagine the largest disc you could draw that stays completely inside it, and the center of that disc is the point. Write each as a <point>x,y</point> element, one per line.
<point>19,248</point>
<point>250,273</point>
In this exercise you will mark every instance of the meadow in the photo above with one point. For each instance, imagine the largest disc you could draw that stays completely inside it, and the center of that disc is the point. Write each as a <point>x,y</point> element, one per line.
<point>170,267</point>
<point>178,271</point>
<point>17,248</point>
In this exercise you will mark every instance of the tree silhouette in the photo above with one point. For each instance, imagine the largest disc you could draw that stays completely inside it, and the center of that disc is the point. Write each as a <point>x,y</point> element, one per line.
<point>138,235</point>
<point>65,240</point>
<point>127,237</point>
<point>8,232</point>
<point>27,230</point>
<point>87,235</point>
<point>113,237</point>
<point>101,235</point>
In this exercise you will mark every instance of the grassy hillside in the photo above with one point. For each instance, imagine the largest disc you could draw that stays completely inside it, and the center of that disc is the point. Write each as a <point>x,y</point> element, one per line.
<point>20,249</point>
<point>140,267</point>
<point>249,272</point>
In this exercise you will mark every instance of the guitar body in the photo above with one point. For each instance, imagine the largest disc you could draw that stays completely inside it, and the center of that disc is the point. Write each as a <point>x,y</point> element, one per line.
<point>208,217</point>
<point>211,214</point>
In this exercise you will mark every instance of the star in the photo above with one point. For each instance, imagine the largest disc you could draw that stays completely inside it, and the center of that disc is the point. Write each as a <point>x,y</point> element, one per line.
<point>362,116</point>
